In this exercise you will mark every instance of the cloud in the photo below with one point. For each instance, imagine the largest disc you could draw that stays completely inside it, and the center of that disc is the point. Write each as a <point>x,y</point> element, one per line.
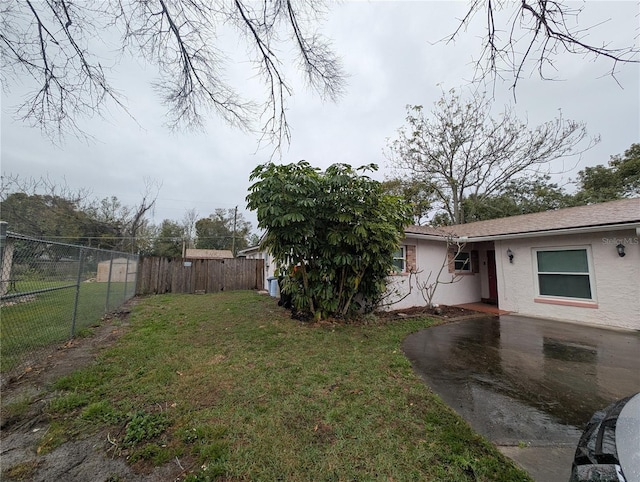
<point>390,52</point>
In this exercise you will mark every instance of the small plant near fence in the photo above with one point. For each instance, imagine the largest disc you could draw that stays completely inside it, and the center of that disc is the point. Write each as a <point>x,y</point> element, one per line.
<point>51,292</point>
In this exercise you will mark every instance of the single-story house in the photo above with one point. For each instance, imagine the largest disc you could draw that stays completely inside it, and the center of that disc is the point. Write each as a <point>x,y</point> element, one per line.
<point>578,264</point>
<point>193,253</point>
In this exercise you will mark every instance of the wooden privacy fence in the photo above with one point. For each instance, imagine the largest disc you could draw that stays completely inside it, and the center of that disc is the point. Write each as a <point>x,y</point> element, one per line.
<point>180,275</point>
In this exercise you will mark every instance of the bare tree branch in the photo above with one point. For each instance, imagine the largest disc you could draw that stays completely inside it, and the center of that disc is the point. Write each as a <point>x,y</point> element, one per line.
<point>460,150</point>
<point>12,183</point>
<point>538,30</point>
<point>43,40</point>
<point>52,41</point>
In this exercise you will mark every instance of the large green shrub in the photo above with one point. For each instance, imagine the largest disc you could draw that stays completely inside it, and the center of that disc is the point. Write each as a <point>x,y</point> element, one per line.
<point>332,234</point>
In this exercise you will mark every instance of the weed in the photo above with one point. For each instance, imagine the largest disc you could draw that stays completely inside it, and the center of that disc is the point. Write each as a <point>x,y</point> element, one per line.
<point>213,453</point>
<point>208,473</point>
<point>144,426</point>
<point>55,436</point>
<point>83,333</point>
<point>114,478</point>
<point>68,402</point>
<point>23,470</point>
<point>100,412</point>
<point>85,379</point>
<point>152,452</point>
<point>17,408</point>
<point>201,433</point>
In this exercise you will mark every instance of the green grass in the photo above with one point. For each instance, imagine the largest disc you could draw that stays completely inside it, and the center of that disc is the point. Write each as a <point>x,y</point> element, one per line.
<point>234,388</point>
<point>45,319</point>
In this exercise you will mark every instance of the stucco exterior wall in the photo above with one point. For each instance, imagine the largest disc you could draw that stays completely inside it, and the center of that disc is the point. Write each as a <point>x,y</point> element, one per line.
<point>430,256</point>
<point>616,285</point>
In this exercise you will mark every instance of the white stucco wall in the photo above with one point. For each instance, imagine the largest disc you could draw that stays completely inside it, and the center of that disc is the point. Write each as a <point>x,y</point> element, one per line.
<point>430,255</point>
<point>616,279</point>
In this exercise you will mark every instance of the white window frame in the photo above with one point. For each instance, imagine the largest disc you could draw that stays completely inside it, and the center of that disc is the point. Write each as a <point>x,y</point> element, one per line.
<point>402,258</point>
<point>468,268</point>
<point>590,272</point>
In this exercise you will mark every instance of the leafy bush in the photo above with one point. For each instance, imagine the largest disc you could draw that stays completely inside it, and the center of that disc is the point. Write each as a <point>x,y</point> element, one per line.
<point>144,426</point>
<point>332,234</point>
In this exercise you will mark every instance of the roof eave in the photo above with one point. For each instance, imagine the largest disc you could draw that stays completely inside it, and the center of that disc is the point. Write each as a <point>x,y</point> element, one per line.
<point>532,234</point>
<point>431,237</point>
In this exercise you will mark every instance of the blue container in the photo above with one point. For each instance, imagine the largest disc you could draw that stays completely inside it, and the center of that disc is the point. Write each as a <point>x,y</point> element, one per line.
<point>273,286</point>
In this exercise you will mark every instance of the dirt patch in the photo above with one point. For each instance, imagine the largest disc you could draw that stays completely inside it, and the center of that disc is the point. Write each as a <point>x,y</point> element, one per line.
<point>74,354</point>
<point>24,422</point>
<point>442,312</point>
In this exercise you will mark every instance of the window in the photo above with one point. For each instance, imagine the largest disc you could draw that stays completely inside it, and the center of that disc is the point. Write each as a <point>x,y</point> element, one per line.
<point>564,273</point>
<point>462,262</point>
<point>399,260</point>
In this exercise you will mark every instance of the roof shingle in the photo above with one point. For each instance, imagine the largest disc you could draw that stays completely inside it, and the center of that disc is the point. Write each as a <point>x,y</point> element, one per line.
<point>610,213</point>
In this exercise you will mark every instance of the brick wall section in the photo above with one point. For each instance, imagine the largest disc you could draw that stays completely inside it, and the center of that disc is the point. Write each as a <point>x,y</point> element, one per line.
<point>411,259</point>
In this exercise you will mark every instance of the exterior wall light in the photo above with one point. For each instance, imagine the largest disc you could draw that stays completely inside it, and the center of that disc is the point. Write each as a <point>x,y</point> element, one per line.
<point>510,255</point>
<point>620,249</point>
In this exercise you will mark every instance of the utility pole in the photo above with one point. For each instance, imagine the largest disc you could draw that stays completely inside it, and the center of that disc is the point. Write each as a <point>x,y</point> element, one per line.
<point>233,239</point>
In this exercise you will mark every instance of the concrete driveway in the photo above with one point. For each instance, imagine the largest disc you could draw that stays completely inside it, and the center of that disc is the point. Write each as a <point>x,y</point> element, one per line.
<point>528,385</point>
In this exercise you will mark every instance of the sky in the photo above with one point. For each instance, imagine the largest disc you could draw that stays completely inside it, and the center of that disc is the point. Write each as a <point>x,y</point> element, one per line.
<point>391,54</point>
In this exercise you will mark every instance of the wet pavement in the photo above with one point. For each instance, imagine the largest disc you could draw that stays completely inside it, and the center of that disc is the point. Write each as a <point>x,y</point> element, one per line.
<point>528,385</point>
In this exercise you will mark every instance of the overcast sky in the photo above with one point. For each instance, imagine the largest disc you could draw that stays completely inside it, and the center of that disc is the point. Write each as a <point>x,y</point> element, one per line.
<point>389,52</point>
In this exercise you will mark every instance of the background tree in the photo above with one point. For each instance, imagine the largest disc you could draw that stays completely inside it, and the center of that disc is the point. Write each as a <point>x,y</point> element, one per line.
<point>416,193</point>
<point>189,227</point>
<point>55,218</point>
<point>43,209</point>
<point>519,196</point>
<point>628,169</point>
<point>460,151</point>
<point>168,241</point>
<point>217,231</point>
<point>621,179</point>
<point>333,233</point>
<point>254,240</point>
<point>130,222</point>
<point>146,239</point>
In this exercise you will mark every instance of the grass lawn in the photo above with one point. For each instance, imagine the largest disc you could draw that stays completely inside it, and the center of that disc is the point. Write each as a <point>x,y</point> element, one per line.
<point>32,322</point>
<point>235,389</point>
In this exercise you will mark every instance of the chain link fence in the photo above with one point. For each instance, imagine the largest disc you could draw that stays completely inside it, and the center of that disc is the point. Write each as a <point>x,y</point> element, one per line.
<point>51,292</point>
